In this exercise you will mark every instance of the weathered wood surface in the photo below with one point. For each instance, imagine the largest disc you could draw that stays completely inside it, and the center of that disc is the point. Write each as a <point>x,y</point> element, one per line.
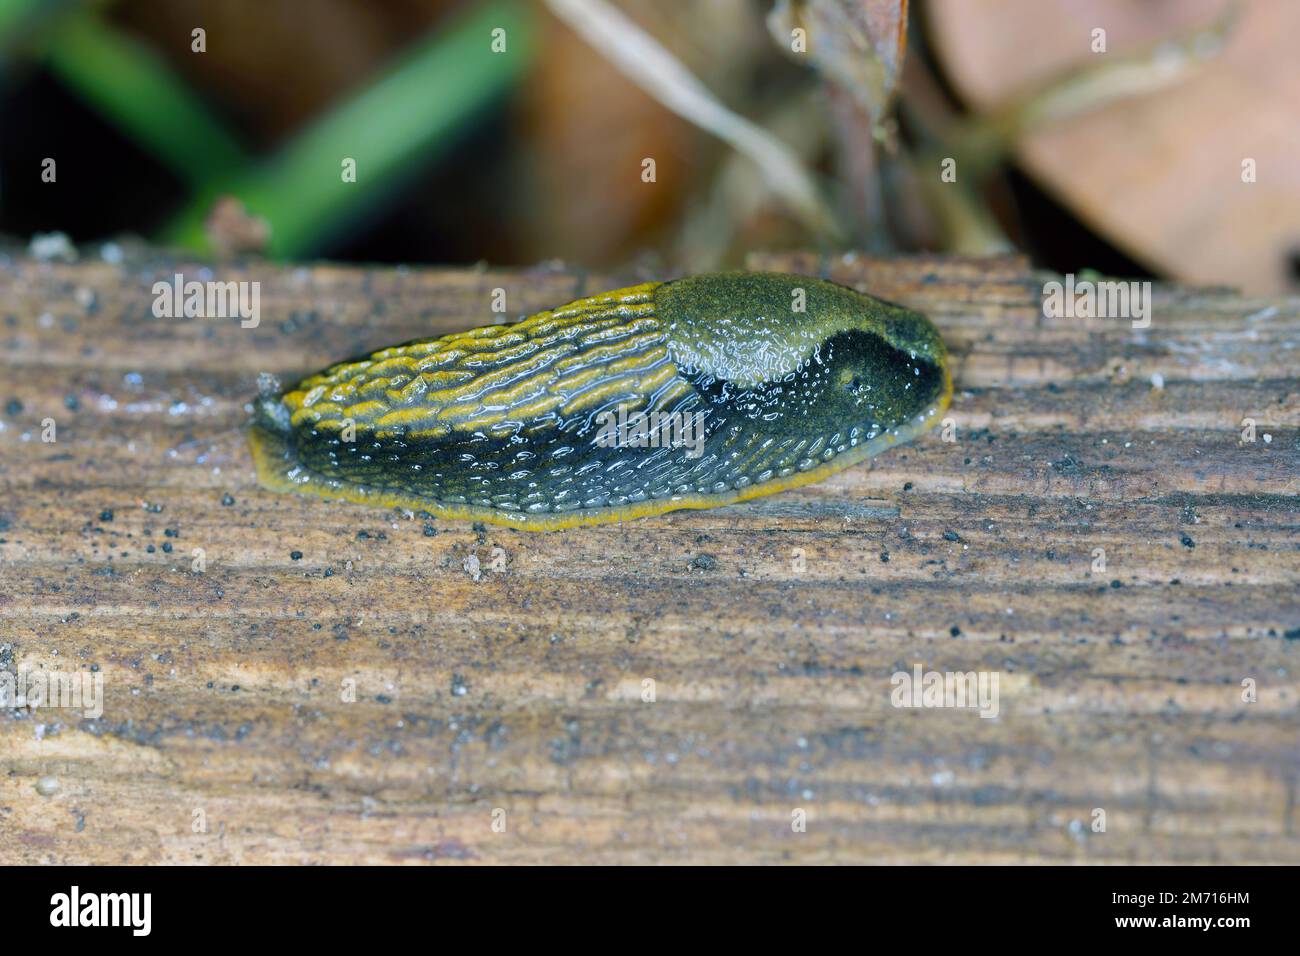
<point>522,689</point>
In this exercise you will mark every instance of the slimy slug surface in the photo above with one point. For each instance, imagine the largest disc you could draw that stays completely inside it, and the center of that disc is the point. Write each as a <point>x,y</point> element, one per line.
<point>685,394</point>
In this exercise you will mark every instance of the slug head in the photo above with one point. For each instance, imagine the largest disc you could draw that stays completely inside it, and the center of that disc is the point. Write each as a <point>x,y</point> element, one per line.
<point>807,356</point>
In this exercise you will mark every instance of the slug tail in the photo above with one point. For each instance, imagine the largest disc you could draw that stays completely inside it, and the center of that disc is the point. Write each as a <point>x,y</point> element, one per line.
<point>271,457</point>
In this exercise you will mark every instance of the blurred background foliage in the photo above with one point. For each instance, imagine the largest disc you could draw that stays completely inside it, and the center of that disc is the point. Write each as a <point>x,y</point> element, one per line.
<point>1129,161</point>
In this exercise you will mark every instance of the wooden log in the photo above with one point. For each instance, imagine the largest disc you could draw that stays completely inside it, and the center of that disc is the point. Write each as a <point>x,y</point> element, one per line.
<point>345,684</point>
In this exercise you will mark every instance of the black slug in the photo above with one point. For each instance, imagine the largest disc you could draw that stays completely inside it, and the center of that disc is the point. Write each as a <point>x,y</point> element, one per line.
<point>684,394</point>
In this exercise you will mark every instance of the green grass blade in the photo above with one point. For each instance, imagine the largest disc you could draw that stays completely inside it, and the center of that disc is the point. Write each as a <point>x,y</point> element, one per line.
<point>407,115</point>
<point>137,92</point>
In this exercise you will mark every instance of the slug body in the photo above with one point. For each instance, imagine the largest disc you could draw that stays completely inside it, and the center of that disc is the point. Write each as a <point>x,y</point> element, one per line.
<point>685,394</point>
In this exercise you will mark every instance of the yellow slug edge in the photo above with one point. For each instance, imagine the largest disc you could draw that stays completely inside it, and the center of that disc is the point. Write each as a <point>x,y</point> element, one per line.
<point>269,459</point>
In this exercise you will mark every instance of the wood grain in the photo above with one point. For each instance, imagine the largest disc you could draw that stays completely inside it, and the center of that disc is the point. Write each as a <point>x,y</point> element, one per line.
<point>521,690</point>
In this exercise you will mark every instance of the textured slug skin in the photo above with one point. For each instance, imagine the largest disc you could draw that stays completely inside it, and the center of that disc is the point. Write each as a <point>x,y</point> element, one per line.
<point>501,423</point>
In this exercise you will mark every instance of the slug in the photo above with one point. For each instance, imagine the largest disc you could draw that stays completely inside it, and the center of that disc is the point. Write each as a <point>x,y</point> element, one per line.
<point>691,393</point>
